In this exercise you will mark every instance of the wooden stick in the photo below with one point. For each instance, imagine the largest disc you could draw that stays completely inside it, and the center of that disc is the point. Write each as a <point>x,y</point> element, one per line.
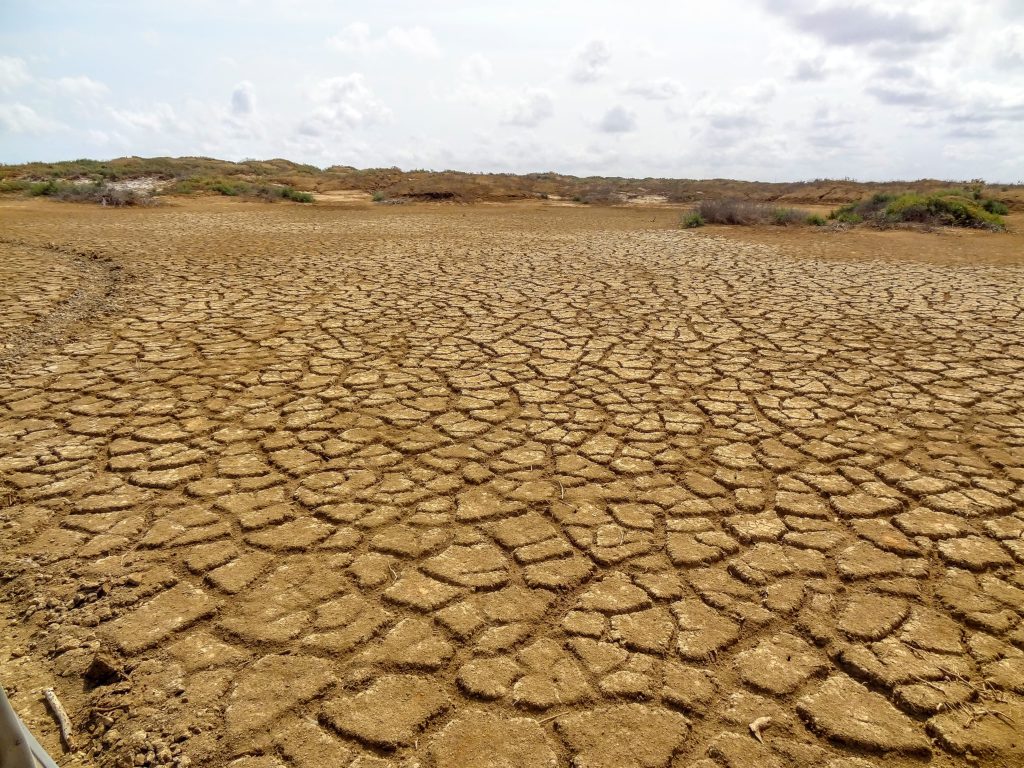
<point>63,721</point>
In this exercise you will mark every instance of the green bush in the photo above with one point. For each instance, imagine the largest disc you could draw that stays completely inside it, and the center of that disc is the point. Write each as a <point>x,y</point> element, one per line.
<point>996,207</point>
<point>816,220</point>
<point>693,220</point>
<point>88,192</point>
<point>45,188</point>
<point>950,211</point>
<point>949,208</point>
<point>846,214</point>
<point>14,185</point>
<point>783,217</point>
<point>227,188</point>
<point>238,188</point>
<point>295,196</point>
<point>379,196</point>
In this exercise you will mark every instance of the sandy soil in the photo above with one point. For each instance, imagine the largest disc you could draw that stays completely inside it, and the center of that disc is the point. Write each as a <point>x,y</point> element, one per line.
<point>352,485</point>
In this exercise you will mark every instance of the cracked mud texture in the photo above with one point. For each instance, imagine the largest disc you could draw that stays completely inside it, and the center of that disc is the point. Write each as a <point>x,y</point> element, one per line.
<point>510,486</point>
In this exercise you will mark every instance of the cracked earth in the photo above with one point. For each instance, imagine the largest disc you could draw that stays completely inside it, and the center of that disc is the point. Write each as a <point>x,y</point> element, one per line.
<point>516,487</point>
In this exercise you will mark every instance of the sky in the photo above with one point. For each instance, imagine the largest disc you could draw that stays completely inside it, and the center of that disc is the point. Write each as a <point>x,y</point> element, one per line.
<point>772,90</point>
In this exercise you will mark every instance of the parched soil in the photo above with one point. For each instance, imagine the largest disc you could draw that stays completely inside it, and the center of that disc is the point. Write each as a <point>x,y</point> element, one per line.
<point>510,486</point>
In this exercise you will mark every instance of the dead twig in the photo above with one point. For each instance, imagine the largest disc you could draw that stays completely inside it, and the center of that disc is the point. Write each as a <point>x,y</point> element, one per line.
<point>63,721</point>
<point>551,717</point>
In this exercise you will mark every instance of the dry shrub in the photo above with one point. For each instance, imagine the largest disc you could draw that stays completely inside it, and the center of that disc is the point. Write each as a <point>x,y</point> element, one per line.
<point>728,210</point>
<point>93,192</point>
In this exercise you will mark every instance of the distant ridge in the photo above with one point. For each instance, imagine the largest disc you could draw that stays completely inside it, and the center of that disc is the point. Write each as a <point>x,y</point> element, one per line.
<point>190,175</point>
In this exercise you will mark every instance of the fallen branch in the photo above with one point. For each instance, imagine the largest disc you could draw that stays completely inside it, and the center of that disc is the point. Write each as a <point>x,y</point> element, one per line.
<point>63,721</point>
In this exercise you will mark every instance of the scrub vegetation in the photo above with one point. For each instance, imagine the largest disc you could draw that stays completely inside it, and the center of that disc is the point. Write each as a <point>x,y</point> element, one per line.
<point>265,179</point>
<point>966,207</point>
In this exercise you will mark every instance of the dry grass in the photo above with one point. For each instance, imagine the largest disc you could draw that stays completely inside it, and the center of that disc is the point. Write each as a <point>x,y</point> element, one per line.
<point>747,212</point>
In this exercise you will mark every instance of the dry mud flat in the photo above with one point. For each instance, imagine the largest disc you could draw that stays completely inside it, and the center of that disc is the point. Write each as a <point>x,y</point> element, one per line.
<point>351,486</point>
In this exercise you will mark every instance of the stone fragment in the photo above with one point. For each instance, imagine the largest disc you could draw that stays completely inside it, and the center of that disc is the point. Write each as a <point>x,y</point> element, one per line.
<point>931,697</point>
<point>989,732</point>
<point>346,623</point>
<point>861,504</point>
<point>488,678</point>
<point>623,736</point>
<point>299,534</point>
<point>922,521</point>
<point>412,644</point>
<point>847,712</point>
<point>870,616</point>
<point>974,553</point>
<point>614,594</point>
<point>649,631</point>
<point>236,575</point>
<point>486,740</point>
<point>307,745</point>
<point>201,650</point>
<point>688,687</point>
<point>168,612</point>
<point>703,630</point>
<point>781,664</point>
<point>390,713</point>
<point>292,679</point>
<point>552,677</point>
<point>478,566</point>
<point>421,592</point>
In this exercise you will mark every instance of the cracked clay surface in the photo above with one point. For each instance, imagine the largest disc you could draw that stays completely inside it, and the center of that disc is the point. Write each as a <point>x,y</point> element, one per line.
<point>539,487</point>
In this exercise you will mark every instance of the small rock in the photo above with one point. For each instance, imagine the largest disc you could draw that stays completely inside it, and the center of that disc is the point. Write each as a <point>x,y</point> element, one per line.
<point>102,670</point>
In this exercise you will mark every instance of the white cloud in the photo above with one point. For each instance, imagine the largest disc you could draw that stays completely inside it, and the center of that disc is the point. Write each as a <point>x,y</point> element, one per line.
<point>13,73</point>
<point>243,99</point>
<point>415,40</point>
<point>761,92</point>
<point>21,118</point>
<point>1009,48</point>
<point>532,107</point>
<point>357,38</point>
<point>590,63</point>
<point>810,70</point>
<point>160,118</point>
<point>731,117</point>
<point>343,102</point>
<point>81,87</point>
<point>659,89</point>
<point>618,119</point>
<point>881,31</point>
<point>476,67</point>
<point>830,130</point>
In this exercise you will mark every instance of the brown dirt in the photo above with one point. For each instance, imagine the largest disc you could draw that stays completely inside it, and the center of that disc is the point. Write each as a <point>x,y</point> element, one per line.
<point>525,485</point>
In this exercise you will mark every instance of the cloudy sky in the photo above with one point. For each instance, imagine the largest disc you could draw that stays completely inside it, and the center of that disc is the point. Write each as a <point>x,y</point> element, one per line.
<point>755,89</point>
